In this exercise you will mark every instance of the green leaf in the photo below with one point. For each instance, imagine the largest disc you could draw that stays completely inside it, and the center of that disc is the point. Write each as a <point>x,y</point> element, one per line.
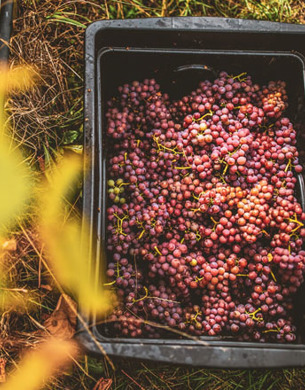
<point>70,136</point>
<point>64,19</point>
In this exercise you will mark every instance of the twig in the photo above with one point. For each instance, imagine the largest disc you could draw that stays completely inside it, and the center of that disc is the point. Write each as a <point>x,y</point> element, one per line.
<point>133,380</point>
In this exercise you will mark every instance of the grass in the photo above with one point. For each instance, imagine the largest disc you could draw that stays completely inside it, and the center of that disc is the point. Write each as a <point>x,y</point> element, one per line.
<point>49,35</point>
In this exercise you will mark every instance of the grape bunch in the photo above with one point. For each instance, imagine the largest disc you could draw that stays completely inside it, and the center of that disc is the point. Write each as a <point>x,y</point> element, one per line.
<point>204,230</point>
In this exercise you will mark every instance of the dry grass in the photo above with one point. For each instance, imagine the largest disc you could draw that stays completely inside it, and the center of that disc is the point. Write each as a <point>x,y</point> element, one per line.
<point>48,34</point>
<point>55,51</point>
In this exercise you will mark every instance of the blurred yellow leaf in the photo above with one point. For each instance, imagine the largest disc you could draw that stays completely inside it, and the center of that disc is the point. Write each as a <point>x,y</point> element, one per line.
<point>16,79</point>
<point>10,245</point>
<point>67,243</point>
<point>15,185</point>
<point>15,181</point>
<point>15,177</point>
<point>39,365</point>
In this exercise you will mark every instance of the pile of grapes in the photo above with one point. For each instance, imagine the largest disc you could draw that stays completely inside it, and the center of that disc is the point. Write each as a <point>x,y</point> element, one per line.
<point>204,231</point>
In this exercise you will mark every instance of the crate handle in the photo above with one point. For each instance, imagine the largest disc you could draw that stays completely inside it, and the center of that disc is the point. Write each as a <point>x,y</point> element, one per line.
<point>196,67</point>
<point>302,190</point>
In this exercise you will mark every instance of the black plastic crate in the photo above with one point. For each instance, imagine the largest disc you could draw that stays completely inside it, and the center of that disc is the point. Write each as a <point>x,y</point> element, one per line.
<point>179,52</point>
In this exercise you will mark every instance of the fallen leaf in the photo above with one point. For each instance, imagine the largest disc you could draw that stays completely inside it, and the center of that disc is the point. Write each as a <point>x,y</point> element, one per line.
<point>103,384</point>
<point>62,322</point>
<point>41,163</point>
<point>2,370</point>
<point>46,287</point>
<point>10,245</point>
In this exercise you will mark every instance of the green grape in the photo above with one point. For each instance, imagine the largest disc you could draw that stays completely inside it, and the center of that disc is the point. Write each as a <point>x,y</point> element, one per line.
<point>110,190</point>
<point>121,190</point>
<point>119,181</point>
<point>116,190</point>
<point>116,199</point>
<point>122,200</point>
<point>111,183</point>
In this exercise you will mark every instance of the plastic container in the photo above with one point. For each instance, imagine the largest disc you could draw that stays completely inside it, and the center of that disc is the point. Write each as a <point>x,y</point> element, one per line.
<point>179,52</point>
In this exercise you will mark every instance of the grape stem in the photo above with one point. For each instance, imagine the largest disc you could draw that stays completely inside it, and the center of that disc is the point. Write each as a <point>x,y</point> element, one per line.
<point>273,276</point>
<point>210,113</point>
<point>119,229</point>
<point>141,234</point>
<point>118,265</point>
<point>214,222</point>
<point>124,184</point>
<point>253,315</point>
<point>289,165</point>
<point>277,330</point>
<point>157,250</point>
<point>239,77</point>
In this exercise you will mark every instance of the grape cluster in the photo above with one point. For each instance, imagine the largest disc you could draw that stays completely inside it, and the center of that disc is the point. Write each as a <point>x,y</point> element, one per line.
<point>204,230</point>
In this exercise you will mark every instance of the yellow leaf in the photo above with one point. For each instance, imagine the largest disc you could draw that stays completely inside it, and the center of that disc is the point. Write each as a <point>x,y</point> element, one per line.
<point>15,185</point>
<point>9,245</point>
<point>16,79</point>
<point>38,366</point>
<point>15,177</point>
<point>67,242</point>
